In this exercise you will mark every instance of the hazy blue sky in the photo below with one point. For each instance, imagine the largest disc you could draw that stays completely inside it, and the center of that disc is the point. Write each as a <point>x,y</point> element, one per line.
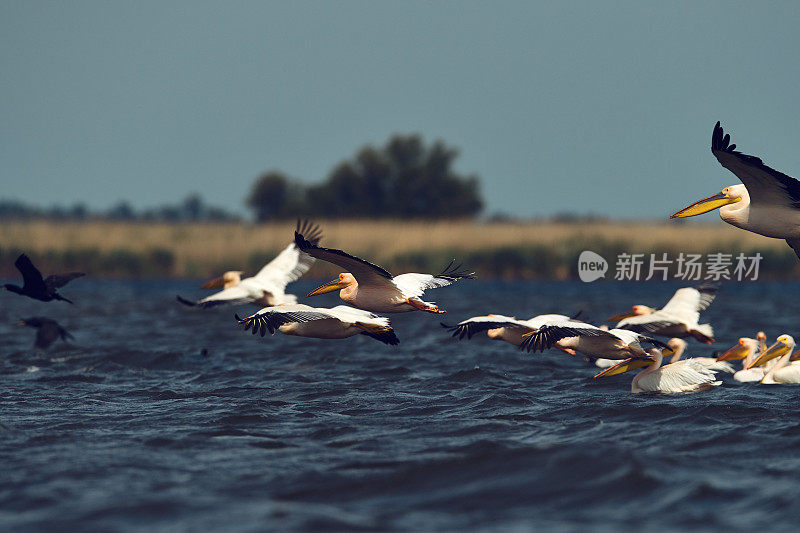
<point>559,106</point>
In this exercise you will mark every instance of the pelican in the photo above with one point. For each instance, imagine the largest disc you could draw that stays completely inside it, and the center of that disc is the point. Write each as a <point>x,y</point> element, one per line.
<point>682,376</point>
<point>370,287</point>
<point>48,330</point>
<point>767,202</point>
<point>590,340</point>
<point>268,285</point>
<point>678,318</point>
<point>787,369</point>
<point>746,350</point>
<point>305,321</point>
<point>677,346</point>
<point>37,287</point>
<point>504,328</point>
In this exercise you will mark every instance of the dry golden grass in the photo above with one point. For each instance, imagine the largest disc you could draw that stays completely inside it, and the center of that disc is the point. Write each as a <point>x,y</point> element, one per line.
<point>203,249</point>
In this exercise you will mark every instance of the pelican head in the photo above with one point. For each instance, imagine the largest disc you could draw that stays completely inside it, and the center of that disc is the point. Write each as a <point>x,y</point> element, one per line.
<point>784,345</point>
<point>728,195</point>
<point>675,348</point>
<point>229,279</point>
<point>741,350</point>
<point>344,280</point>
<point>636,310</point>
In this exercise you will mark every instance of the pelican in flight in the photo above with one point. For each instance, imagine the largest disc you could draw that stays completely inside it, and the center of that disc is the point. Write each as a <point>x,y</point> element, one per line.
<point>747,350</point>
<point>682,376</point>
<point>48,330</point>
<point>676,347</point>
<point>590,340</point>
<point>37,287</point>
<point>767,202</point>
<point>504,328</point>
<point>305,321</point>
<point>678,318</point>
<point>370,287</point>
<point>787,369</point>
<point>268,285</point>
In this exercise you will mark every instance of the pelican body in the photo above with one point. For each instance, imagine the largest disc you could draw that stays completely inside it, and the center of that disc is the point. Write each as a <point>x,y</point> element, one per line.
<point>678,346</point>
<point>305,321</point>
<point>767,202</point>
<point>787,369</point>
<point>372,288</point>
<point>679,377</point>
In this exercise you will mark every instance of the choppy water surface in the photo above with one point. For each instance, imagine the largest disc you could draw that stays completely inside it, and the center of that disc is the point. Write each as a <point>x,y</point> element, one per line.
<point>136,426</point>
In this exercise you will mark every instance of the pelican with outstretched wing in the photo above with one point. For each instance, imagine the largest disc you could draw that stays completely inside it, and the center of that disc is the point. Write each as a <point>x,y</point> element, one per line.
<point>370,287</point>
<point>268,286</point>
<point>683,376</point>
<point>305,321</point>
<point>504,328</point>
<point>767,202</point>
<point>678,318</point>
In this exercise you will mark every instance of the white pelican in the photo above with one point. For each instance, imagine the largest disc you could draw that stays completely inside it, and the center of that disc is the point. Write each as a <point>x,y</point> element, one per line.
<point>589,340</point>
<point>677,346</point>
<point>746,350</point>
<point>305,321</point>
<point>787,369</point>
<point>767,202</point>
<point>370,287</point>
<point>678,318</point>
<point>682,376</point>
<point>268,285</point>
<point>504,328</point>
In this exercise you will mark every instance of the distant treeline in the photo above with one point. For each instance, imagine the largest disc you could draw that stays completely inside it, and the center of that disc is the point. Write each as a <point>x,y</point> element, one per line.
<point>191,209</point>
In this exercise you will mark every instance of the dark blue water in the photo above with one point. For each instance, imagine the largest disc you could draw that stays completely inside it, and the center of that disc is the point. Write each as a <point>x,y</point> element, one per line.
<point>135,426</point>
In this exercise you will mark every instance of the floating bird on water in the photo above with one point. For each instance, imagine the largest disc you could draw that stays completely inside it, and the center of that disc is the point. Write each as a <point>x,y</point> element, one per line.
<point>787,369</point>
<point>305,321</point>
<point>676,347</point>
<point>268,286</point>
<point>678,318</point>
<point>682,376</point>
<point>35,286</point>
<point>746,349</point>
<point>590,340</point>
<point>48,330</point>
<point>370,287</point>
<point>767,202</point>
<point>504,328</point>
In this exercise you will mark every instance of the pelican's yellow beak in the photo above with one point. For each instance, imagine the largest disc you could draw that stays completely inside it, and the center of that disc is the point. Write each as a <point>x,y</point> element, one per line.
<point>334,285</point>
<point>623,366</point>
<point>623,316</point>
<point>705,205</point>
<point>737,352</point>
<point>776,350</point>
<point>216,283</point>
<point>667,352</point>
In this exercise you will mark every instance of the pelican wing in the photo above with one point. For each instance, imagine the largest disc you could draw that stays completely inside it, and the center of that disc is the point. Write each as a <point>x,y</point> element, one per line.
<point>237,295</point>
<point>471,326</point>
<point>765,185</point>
<point>681,376</point>
<point>546,336</point>
<point>31,277</point>
<point>689,300</point>
<point>414,284</point>
<point>291,263</point>
<point>647,323</point>
<point>366,273</point>
<point>57,281</point>
<point>271,318</point>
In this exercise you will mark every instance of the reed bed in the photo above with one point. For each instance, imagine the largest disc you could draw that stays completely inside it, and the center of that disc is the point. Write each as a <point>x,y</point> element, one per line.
<point>507,249</point>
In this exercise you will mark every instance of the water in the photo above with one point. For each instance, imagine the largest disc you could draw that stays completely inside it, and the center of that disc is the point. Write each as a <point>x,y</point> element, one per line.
<point>172,419</point>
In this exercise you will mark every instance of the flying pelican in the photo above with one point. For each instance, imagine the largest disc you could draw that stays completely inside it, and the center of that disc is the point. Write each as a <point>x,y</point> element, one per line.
<point>370,287</point>
<point>267,287</point>
<point>35,286</point>
<point>746,350</point>
<point>504,328</point>
<point>590,340</point>
<point>304,321</point>
<point>787,369</point>
<point>48,330</point>
<point>683,376</point>
<point>767,202</point>
<point>677,346</point>
<point>678,318</point>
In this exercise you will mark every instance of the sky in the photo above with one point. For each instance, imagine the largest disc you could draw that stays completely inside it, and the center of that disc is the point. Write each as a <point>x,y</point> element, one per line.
<point>581,107</point>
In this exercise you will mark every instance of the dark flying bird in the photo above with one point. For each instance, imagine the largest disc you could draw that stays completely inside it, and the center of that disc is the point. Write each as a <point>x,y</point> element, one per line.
<point>48,330</point>
<point>768,202</point>
<point>370,287</point>
<point>36,287</point>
